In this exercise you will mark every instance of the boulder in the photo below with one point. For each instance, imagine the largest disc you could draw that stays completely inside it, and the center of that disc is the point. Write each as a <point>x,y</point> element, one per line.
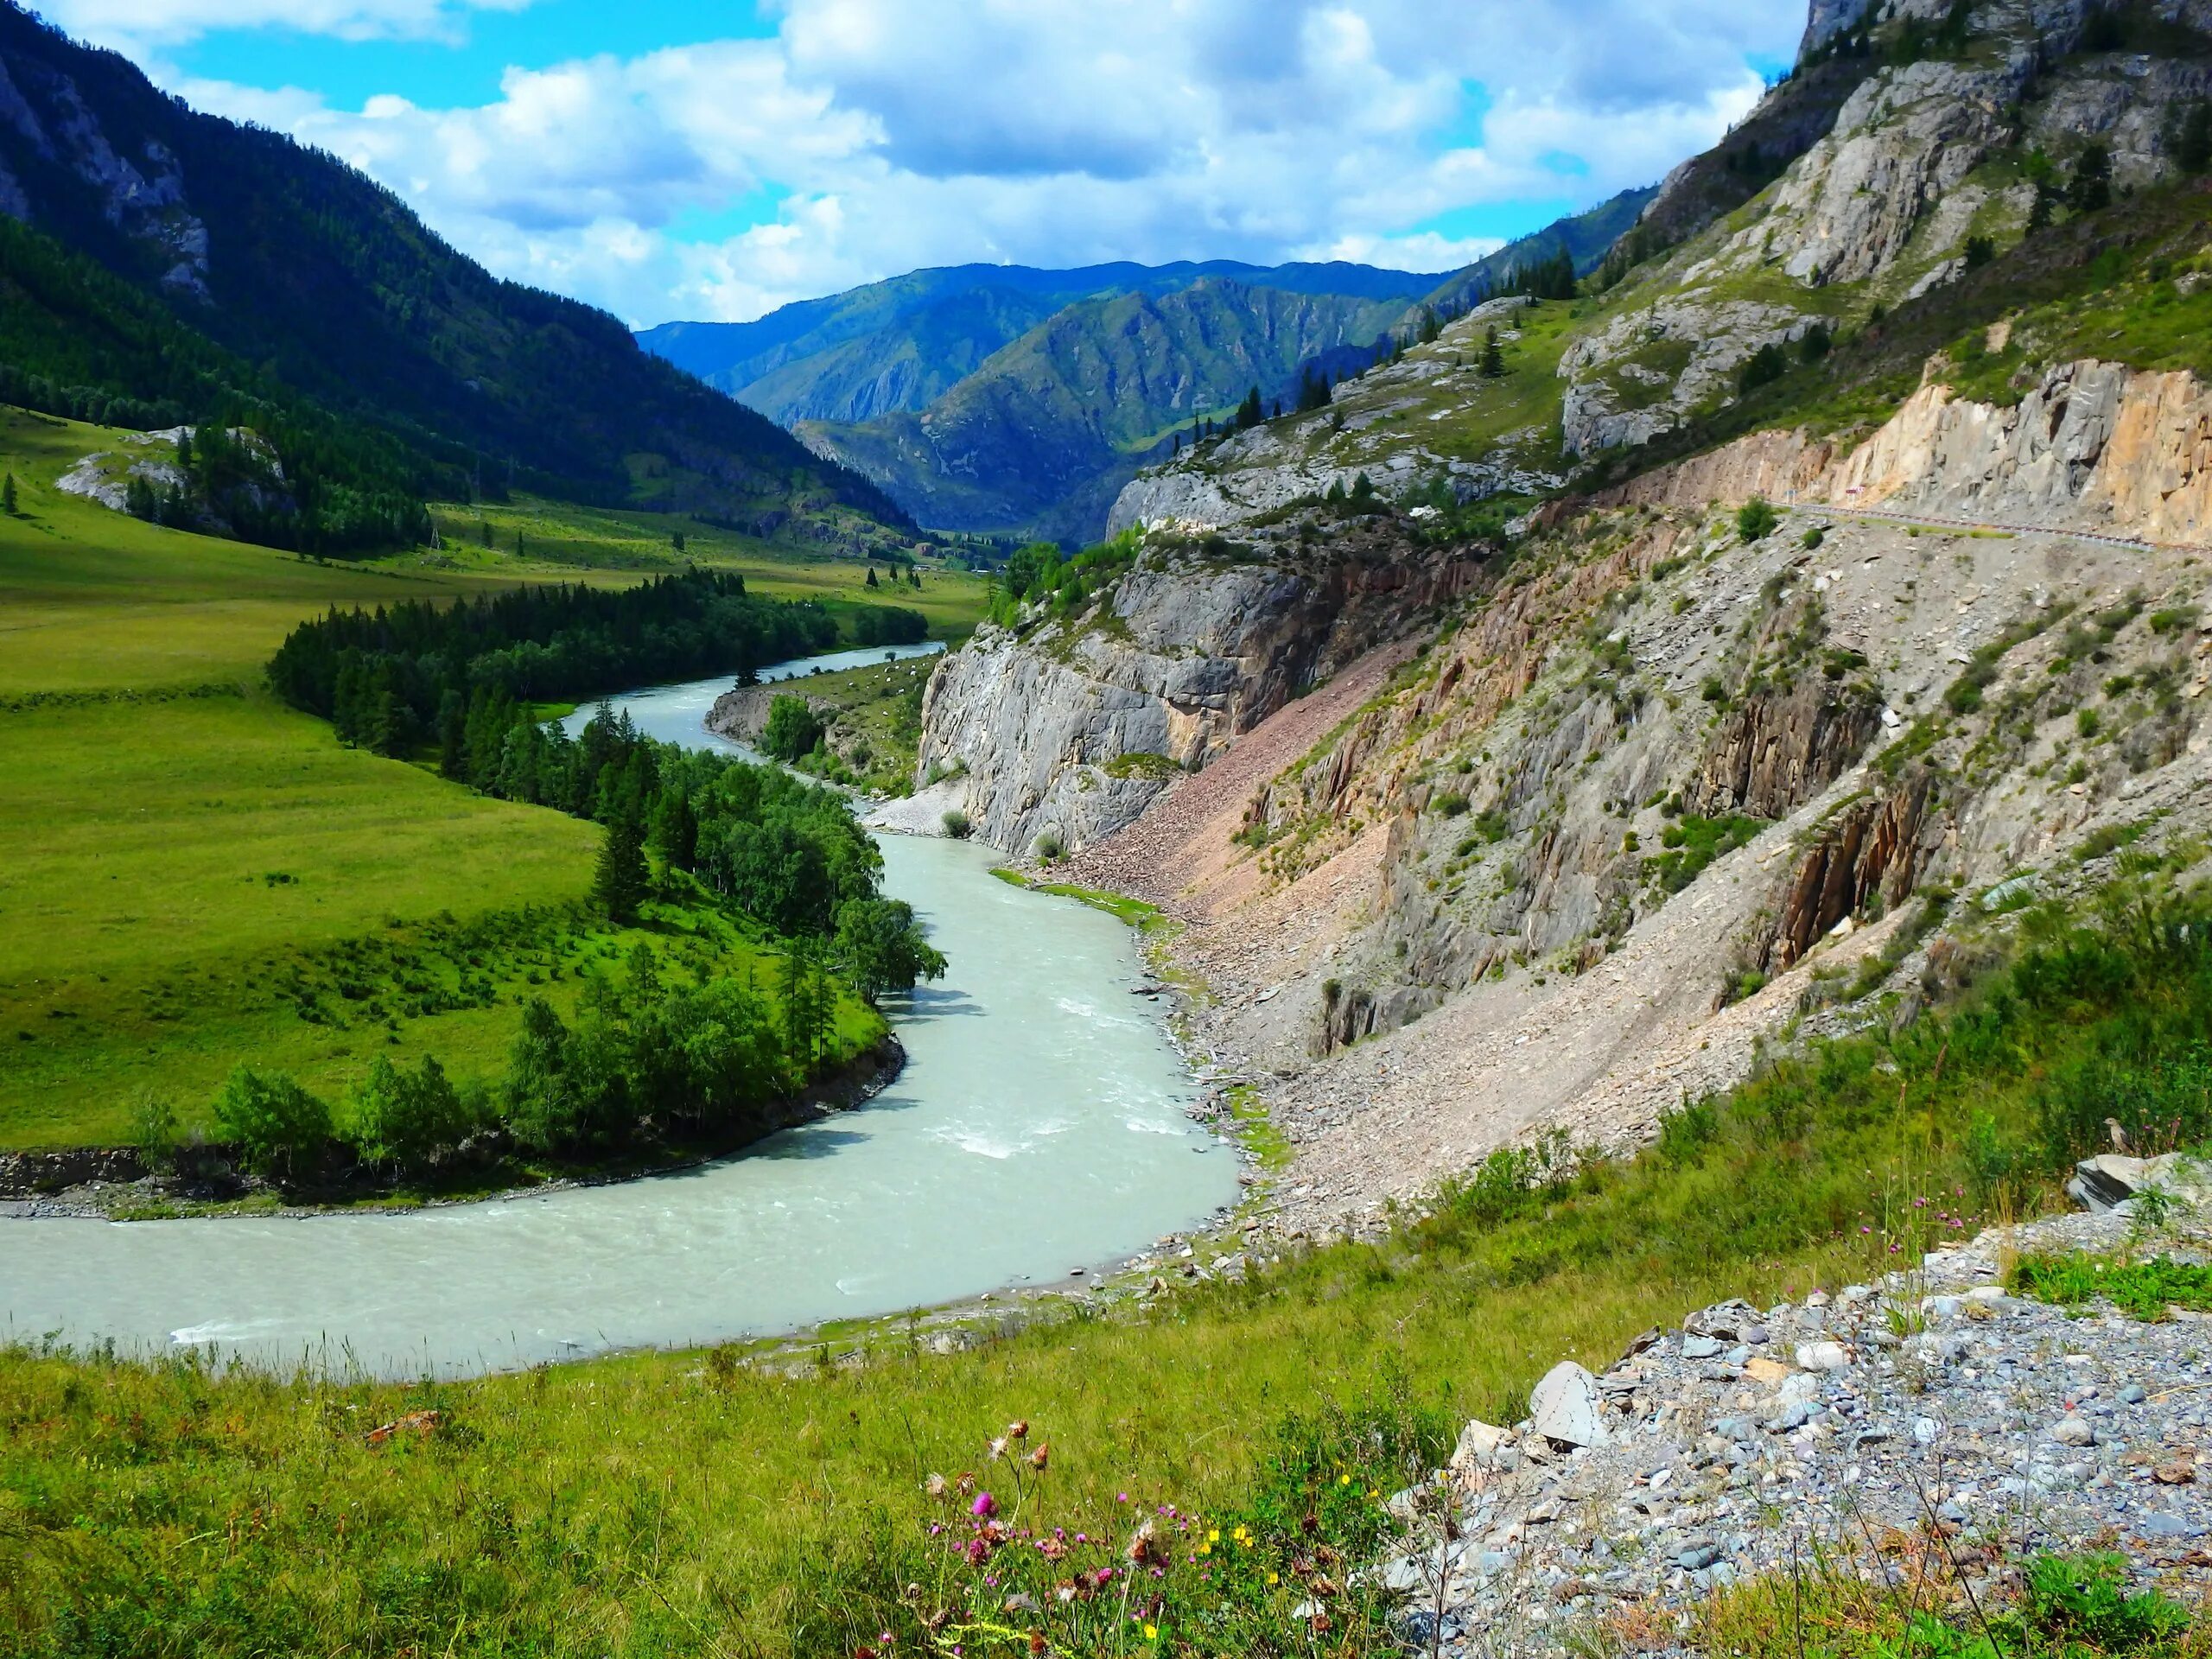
<point>1565,1407</point>
<point>2109,1183</point>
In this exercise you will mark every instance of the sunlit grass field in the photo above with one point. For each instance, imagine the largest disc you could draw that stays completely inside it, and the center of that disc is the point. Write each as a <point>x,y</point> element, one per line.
<point>181,853</point>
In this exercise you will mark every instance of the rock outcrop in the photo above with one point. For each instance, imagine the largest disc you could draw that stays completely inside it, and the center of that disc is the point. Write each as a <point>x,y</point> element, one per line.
<point>2093,447</point>
<point>1069,728</point>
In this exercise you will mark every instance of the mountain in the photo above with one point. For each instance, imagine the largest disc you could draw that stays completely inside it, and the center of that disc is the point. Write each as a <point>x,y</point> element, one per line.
<point>1533,746</point>
<point>1586,238</point>
<point>165,257</point>
<point>1043,435</point>
<point>899,344</point>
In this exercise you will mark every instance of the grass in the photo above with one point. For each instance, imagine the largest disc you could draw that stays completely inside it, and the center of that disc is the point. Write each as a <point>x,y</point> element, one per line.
<point>693,1503</point>
<point>611,541</point>
<point>178,851</point>
<point>2146,1290</point>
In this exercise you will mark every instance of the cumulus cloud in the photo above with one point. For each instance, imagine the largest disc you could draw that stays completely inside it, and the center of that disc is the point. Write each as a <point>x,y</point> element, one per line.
<point>137,25</point>
<point>869,137</point>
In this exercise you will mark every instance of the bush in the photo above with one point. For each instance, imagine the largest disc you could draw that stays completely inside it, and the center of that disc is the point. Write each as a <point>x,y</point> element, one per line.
<point>279,1128</point>
<point>1451,806</point>
<point>958,824</point>
<point>793,730</point>
<point>1755,520</point>
<point>1049,848</point>
<point>1813,537</point>
<point>154,1131</point>
<point>407,1120</point>
<point>1762,368</point>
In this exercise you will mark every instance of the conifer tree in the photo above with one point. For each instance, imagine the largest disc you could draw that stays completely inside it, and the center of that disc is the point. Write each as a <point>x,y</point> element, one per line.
<point>871,577</point>
<point>8,495</point>
<point>1493,364</point>
<point>619,885</point>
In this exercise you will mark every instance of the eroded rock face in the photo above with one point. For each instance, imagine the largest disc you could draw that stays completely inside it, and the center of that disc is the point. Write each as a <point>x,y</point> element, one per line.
<point>1071,728</point>
<point>2094,445</point>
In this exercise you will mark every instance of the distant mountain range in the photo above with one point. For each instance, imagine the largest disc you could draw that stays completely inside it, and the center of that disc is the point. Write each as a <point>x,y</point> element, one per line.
<point>1011,400</point>
<point>159,265</point>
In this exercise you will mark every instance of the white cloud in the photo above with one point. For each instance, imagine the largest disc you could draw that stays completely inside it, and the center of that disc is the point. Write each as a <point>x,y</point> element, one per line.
<point>136,25</point>
<point>883,134</point>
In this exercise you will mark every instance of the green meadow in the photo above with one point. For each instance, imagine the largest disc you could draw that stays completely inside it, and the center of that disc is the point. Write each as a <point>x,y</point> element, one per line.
<point>192,874</point>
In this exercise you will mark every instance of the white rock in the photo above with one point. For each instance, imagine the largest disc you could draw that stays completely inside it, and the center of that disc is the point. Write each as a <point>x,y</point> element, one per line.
<point>1565,1406</point>
<point>1821,1356</point>
<point>2072,1431</point>
<point>1479,1444</point>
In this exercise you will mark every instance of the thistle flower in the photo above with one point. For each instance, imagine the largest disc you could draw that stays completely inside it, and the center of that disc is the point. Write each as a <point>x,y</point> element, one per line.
<point>966,1483</point>
<point>1041,1456</point>
<point>984,1506</point>
<point>1052,1548</point>
<point>937,1486</point>
<point>1018,1429</point>
<point>998,1448</point>
<point>1144,1549</point>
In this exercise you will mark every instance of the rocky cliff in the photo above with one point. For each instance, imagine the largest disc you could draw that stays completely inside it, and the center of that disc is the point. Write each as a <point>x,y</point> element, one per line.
<point>2093,447</point>
<point>1069,727</point>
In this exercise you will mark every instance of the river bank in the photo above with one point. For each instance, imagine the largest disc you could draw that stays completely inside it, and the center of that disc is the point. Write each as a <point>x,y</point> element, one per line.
<point>114,1184</point>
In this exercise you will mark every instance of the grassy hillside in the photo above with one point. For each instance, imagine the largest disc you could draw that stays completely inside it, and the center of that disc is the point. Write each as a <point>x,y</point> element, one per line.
<point>689,1505</point>
<point>191,873</point>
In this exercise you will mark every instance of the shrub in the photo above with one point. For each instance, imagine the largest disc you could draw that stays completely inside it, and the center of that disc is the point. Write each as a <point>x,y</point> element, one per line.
<point>1813,537</point>
<point>1762,368</point>
<point>792,731</point>
<point>280,1129</point>
<point>154,1131</point>
<point>957,824</point>
<point>1142,763</point>
<point>1049,848</point>
<point>1453,806</point>
<point>1755,520</point>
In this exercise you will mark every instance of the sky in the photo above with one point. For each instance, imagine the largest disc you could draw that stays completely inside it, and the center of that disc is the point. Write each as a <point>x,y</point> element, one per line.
<point>715,159</point>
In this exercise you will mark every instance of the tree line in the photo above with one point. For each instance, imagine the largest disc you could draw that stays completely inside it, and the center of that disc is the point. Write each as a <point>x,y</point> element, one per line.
<point>651,1058</point>
<point>395,678</point>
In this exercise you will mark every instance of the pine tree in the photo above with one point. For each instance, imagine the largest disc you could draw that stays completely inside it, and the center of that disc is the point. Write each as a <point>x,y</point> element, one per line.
<point>1493,364</point>
<point>2090,190</point>
<point>8,495</point>
<point>619,885</point>
<point>871,577</point>
<point>676,540</point>
<point>2193,147</point>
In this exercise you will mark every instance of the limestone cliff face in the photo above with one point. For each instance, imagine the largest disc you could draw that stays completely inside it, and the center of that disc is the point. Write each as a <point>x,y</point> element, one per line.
<point>1069,728</point>
<point>2093,446</point>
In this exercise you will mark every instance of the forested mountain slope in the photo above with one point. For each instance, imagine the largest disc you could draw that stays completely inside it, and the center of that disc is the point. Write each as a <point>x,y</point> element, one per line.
<point>898,345</point>
<point>1044,433</point>
<point>158,253</point>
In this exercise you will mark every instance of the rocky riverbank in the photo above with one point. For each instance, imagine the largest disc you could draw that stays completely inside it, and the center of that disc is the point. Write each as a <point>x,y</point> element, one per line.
<point>1930,1424</point>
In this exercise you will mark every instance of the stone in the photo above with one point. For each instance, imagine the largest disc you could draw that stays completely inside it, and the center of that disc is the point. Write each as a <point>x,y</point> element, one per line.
<point>1695,1557</point>
<point>2072,1431</point>
<point>1822,1356</point>
<point>1766,1370</point>
<point>1479,1446</point>
<point>2157,1524</point>
<point>1701,1347</point>
<point>2133,1394</point>
<point>1564,1407</point>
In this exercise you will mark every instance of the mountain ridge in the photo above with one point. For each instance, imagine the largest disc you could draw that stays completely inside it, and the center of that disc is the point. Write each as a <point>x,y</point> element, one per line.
<point>289,260</point>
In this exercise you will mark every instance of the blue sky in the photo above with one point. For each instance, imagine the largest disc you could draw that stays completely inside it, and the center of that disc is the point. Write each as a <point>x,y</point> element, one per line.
<point>671,160</point>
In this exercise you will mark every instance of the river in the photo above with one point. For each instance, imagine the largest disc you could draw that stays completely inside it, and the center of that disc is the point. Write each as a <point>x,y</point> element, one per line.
<point>1038,1127</point>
